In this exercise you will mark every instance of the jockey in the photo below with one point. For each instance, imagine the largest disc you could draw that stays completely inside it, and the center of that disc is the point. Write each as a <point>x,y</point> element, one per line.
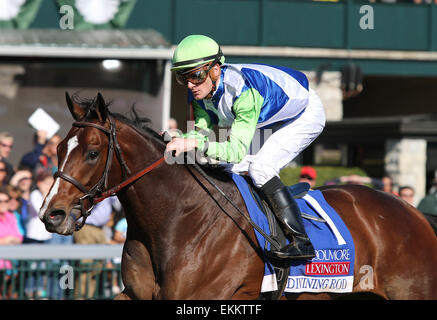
<point>250,98</point>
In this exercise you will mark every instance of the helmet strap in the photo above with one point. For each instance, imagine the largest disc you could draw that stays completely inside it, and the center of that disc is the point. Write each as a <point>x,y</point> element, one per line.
<point>214,84</point>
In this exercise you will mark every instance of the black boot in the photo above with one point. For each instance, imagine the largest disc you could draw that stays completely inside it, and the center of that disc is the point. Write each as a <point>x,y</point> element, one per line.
<point>287,211</point>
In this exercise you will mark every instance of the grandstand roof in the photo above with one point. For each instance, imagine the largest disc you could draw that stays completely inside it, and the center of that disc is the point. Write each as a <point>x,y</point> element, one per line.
<point>122,44</point>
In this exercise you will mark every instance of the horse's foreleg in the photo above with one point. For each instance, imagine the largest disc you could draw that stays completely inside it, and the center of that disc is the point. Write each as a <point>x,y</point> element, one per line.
<point>122,296</point>
<point>137,273</point>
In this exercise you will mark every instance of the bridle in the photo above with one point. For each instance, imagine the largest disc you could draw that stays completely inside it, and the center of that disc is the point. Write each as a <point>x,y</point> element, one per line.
<point>100,190</point>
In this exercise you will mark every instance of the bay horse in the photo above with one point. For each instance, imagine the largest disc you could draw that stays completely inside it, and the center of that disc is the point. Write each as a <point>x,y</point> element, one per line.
<point>185,241</point>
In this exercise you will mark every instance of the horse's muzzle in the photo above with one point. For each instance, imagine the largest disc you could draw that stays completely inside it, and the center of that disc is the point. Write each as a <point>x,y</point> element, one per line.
<point>54,218</point>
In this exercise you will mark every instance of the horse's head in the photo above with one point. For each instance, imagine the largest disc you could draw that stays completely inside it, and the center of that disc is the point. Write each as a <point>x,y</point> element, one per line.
<point>85,157</point>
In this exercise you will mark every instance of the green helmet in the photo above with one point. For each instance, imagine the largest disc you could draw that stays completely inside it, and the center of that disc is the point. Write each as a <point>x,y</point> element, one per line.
<point>196,50</point>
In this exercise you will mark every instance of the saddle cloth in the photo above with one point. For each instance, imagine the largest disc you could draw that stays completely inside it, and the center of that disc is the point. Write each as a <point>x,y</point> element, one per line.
<point>332,269</point>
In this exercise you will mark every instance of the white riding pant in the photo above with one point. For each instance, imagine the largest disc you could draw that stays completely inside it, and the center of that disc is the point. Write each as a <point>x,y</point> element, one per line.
<point>271,150</point>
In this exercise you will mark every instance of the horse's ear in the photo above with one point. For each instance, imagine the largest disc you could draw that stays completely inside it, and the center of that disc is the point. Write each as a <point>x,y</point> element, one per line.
<point>102,109</point>
<point>76,111</point>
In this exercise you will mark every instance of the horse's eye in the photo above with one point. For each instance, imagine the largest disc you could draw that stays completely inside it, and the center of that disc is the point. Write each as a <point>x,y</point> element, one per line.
<point>92,155</point>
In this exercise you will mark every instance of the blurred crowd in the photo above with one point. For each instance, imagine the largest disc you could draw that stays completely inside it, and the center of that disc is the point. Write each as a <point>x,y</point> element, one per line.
<point>427,205</point>
<point>22,191</point>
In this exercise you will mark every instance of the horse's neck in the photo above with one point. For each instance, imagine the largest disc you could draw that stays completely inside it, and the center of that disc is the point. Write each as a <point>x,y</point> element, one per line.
<point>150,201</point>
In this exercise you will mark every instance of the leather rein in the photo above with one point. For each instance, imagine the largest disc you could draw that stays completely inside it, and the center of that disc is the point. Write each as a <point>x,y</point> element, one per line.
<point>100,190</point>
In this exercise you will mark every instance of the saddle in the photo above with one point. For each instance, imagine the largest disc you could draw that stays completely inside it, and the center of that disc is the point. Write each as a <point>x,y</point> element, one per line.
<point>281,269</point>
<point>266,225</point>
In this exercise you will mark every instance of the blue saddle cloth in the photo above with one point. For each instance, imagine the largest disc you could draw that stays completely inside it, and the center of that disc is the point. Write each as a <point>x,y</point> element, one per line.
<point>332,269</point>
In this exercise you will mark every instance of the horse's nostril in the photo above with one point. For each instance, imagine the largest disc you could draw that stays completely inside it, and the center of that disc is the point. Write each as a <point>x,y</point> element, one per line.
<point>55,217</point>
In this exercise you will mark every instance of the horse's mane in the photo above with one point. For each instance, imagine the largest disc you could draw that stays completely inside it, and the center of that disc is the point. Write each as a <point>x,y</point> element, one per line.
<point>142,125</point>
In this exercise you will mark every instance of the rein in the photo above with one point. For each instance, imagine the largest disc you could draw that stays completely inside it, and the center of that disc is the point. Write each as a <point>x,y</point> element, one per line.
<point>100,191</point>
<point>128,181</point>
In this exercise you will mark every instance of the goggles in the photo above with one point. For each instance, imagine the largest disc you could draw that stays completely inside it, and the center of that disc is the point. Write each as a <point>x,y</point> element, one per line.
<point>197,75</point>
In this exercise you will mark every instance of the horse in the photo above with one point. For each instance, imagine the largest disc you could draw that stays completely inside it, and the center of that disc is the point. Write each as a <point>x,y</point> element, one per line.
<point>186,241</point>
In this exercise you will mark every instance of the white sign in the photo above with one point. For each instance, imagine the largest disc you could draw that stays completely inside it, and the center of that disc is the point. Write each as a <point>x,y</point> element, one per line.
<point>41,120</point>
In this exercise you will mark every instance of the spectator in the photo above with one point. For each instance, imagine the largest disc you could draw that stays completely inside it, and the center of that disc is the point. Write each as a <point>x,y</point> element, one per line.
<point>36,231</point>
<point>433,186</point>
<point>407,193</point>
<point>22,180</point>
<point>14,206</point>
<point>172,124</point>
<point>120,231</point>
<point>9,232</point>
<point>429,203</point>
<point>43,155</point>
<point>93,233</point>
<point>49,158</point>
<point>31,159</point>
<point>9,235</point>
<point>308,175</point>
<point>387,184</point>
<point>3,174</point>
<point>108,229</point>
<point>6,145</point>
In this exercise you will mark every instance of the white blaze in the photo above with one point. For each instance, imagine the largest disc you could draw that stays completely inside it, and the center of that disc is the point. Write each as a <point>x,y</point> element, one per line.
<point>72,143</point>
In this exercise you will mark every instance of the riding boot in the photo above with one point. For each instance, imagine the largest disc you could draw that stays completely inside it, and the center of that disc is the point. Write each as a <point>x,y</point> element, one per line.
<point>287,212</point>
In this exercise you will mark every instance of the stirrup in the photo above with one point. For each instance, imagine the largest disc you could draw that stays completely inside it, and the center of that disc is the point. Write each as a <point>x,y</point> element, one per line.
<point>299,249</point>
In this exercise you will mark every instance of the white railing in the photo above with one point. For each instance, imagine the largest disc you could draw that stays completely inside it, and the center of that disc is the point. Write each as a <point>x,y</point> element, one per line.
<point>74,251</point>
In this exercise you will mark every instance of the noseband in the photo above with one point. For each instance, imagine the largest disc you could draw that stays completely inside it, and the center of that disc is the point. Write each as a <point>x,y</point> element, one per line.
<point>97,193</point>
